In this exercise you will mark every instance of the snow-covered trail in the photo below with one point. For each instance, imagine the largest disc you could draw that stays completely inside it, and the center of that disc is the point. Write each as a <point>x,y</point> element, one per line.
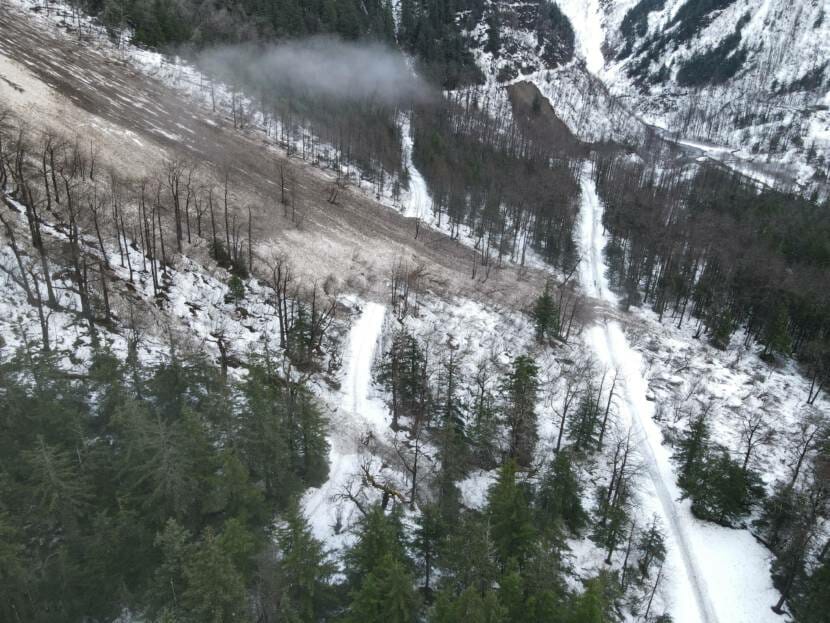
<point>357,415</point>
<point>714,575</point>
<point>363,340</point>
<point>689,601</point>
<point>751,166</point>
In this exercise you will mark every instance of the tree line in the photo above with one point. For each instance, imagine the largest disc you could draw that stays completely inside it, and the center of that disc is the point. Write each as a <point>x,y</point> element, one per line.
<point>186,22</point>
<point>92,238</point>
<point>488,173</point>
<point>714,249</point>
<point>737,261</point>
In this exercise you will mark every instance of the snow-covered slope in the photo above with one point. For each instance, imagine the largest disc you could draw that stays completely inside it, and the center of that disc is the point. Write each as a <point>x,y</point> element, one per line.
<point>574,88</point>
<point>745,74</point>
<point>358,417</point>
<point>749,78</point>
<point>587,18</point>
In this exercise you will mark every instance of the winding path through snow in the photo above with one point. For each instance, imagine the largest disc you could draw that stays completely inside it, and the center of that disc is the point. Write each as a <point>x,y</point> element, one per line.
<point>714,575</point>
<point>363,340</point>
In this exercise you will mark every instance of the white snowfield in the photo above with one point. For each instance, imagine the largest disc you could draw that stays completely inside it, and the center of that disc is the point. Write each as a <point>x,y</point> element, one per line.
<point>713,574</point>
<point>586,19</point>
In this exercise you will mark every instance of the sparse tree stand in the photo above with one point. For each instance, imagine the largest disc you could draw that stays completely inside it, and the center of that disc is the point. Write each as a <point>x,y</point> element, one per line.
<point>755,433</point>
<point>604,426</point>
<point>721,489</point>
<point>404,373</point>
<point>810,506</point>
<point>653,591</point>
<point>573,380</point>
<point>32,291</point>
<point>25,194</point>
<point>652,550</point>
<point>614,499</point>
<point>428,539</point>
<point>78,259</point>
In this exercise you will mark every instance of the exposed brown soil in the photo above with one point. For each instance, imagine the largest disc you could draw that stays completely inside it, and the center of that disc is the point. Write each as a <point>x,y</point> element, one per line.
<point>76,87</point>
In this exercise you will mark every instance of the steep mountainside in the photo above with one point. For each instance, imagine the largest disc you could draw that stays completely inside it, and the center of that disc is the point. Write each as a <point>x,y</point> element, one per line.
<point>738,81</point>
<point>748,75</point>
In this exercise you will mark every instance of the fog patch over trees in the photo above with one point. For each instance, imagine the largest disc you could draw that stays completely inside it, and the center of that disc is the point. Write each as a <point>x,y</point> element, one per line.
<point>322,66</point>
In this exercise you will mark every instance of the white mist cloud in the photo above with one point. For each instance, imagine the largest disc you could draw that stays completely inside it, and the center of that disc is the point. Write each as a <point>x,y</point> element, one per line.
<point>323,67</point>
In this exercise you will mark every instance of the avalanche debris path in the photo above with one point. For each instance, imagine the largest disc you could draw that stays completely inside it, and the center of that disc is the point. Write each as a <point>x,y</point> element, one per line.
<point>357,416</point>
<point>713,574</point>
<point>363,340</point>
<point>139,121</point>
<point>690,601</point>
<point>417,201</point>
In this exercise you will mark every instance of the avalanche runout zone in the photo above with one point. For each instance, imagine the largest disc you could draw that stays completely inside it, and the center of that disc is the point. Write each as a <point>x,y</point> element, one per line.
<point>613,348</point>
<point>357,415</point>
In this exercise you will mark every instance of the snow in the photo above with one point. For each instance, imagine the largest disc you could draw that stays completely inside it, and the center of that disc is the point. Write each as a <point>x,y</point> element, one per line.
<point>784,41</point>
<point>416,202</point>
<point>474,488</point>
<point>358,416</point>
<point>739,160</point>
<point>363,341</point>
<point>585,18</point>
<point>715,574</point>
<point>195,308</point>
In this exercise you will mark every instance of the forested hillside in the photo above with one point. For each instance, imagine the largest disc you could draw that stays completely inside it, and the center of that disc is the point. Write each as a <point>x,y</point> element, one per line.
<point>724,253</point>
<point>401,312</point>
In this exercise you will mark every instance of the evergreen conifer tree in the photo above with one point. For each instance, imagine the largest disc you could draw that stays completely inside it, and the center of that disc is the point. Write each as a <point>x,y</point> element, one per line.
<point>304,568</point>
<point>511,519</point>
<point>379,535</point>
<point>386,595</point>
<point>691,453</point>
<point>520,387</point>
<point>546,315</point>
<point>559,499</point>
<point>468,607</point>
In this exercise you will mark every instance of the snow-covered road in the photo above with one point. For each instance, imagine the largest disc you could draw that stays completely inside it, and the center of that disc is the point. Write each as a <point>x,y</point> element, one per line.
<point>752,166</point>
<point>713,574</point>
<point>363,340</point>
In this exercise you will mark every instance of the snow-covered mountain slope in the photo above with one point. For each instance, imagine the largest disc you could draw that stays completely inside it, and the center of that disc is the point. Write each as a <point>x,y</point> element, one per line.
<point>749,75</point>
<point>749,80</point>
<point>139,111</point>
<point>572,85</point>
<point>713,574</point>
